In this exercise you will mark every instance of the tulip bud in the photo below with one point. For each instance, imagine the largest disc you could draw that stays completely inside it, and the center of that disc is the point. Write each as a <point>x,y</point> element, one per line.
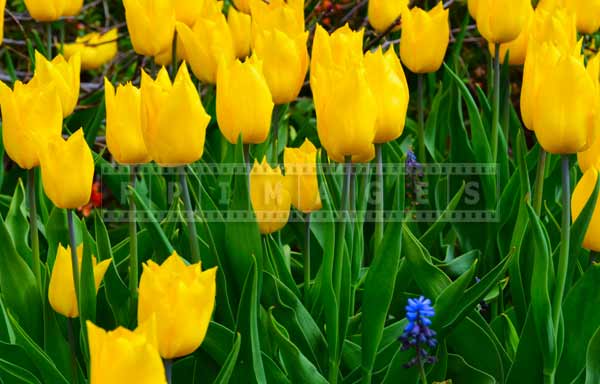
<point>188,11</point>
<point>587,14</point>
<point>65,75</point>
<point>151,24</point>
<point>270,197</point>
<point>240,25</point>
<point>67,170</point>
<point>72,7</point>
<point>95,49</point>
<point>591,157</point>
<point>517,48</point>
<point>173,119</point>
<point>472,6</point>
<point>383,13</point>
<point>208,43</point>
<point>301,175</point>
<point>581,194</point>
<point>424,29</point>
<point>501,21</point>
<point>124,356</point>
<point>51,10</point>
<point>242,5</point>
<point>388,84</point>
<point>124,136</point>
<point>244,102</point>
<point>182,298</point>
<point>61,291</point>
<point>2,6</point>
<point>31,115</point>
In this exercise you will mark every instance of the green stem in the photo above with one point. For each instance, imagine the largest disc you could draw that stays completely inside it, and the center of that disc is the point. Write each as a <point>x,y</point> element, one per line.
<point>189,217</point>
<point>422,370</point>
<point>74,259</point>
<point>496,103</point>
<point>62,37</point>
<point>133,254</point>
<point>506,112</point>
<point>33,228</point>
<point>275,133</point>
<point>168,363</point>
<point>380,195</point>
<point>174,56</point>
<point>421,123</point>
<point>246,152</point>
<point>565,238</point>
<point>49,40</point>
<point>73,345</point>
<point>306,257</point>
<point>538,192</point>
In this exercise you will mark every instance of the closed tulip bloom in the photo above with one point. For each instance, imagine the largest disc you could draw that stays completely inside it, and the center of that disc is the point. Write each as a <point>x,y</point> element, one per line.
<point>517,48</point>
<point>301,176</point>
<point>383,13</point>
<point>388,83</point>
<point>173,119</point>
<point>501,21</point>
<point>64,74</point>
<point>123,356</point>
<point>67,170</point>
<point>124,136</point>
<point>187,11</point>
<point>562,123</point>
<point>591,157</point>
<point>582,193</point>
<point>270,197</point>
<point>242,5</point>
<point>151,24</point>
<point>587,14</point>
<point>244,102</point>
<point>2,6</point>
<point>472,6</point>
<point>51,10</point>
<point>341,49</point>
<point>31,115</point>
<point>94,48</point>
<point>240,25</point>
<point>208,43</point>
<point>61,291</point>
<point>424,29</point>
<point>182,298</point>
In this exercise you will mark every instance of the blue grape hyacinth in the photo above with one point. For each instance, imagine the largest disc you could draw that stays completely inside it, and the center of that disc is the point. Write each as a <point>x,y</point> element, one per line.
<point>417,333</point>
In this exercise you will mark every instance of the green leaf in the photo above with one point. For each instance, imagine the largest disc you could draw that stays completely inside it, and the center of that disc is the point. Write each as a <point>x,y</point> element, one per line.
<point>159,237</point>
<point>461,372</point>
<point>445,304</point>
<point>592,371</point>
<point>87,286</point>
<point>527,364</point>
<point>428,238</point>
<point>17,224</point>
<point>14,374</point>
<point>229,365</point>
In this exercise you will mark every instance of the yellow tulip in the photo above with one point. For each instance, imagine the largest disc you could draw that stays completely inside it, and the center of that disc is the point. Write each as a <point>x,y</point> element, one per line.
<point>182,298</point>
<point>591,157</point>
<point>64,74</point>
<point>517,48</point>
<point>424,29</point>
<point>581,194</point>
<point>51,10</point>
<point>270,197</point>
<point>240,25</point>
<point>383,13</point>
<point>94,48</point>
<point>61,291</point>
<point>244,102</point>
<point>242,5</point>
<point>67,170</point>
<point>31,115</point>
<point>341,49</point>
<point>165,58</point>
<point>124,136</point>
<point>562,123</point>
<point>72,7</point>
<point>501,21</point>
<point>2,6</point>
<point>123,356</point>
<point>151,24</point>
<point>388,83</point>
<point>279,40</point>
<point>587,14</point>
<point>301,176</point>
<point>472,6</point>
<point>208,43</point>
<point>187,11</point>
<point>173,119</point>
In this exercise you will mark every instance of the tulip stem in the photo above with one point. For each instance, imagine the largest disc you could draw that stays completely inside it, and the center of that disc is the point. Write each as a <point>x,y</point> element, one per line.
<point>277,111</point>
<point>133,254</point>
<point>189,217</point>
<point>168,363</point>
<point>74,259</point>
<point>33,229</point>
<point>421,122</point>
<point>380,195</point>
<point>539,182</point>
<point>496,103</point>
<point>73,345</point>
<point>174,56</point>
<point>49,40</point>
<point>565,232</point>
<point>306,257</point>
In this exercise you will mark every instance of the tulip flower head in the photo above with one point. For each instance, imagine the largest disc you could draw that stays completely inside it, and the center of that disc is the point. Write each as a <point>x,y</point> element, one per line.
<point>270,197</point>
<point>581,194</point>
<point>244,102</point>
<point>151,24</point>
<point>64,74</point>
<point>94,48</point>
<point>517,48</point>
<point>242,5</point>
<point>31,115</point>
<point>2,6</point>
<point>124,135</point>
<point>501,21</point>
<point>301,176</point>
<point>587,13</point>
<point>61,291</point>
<point>472,6</point>
<point>384,13</point>
<point>124,356</point>
<point>173,119</point>
<point>591,157</point>
<point>240,25</point>
<point>182,298</point>
<point>424,29</point>
<point>51,10</point>
<point>67,170</point>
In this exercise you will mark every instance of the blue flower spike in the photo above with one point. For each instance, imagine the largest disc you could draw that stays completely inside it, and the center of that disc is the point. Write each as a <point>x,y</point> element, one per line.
<point>417,335</point>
